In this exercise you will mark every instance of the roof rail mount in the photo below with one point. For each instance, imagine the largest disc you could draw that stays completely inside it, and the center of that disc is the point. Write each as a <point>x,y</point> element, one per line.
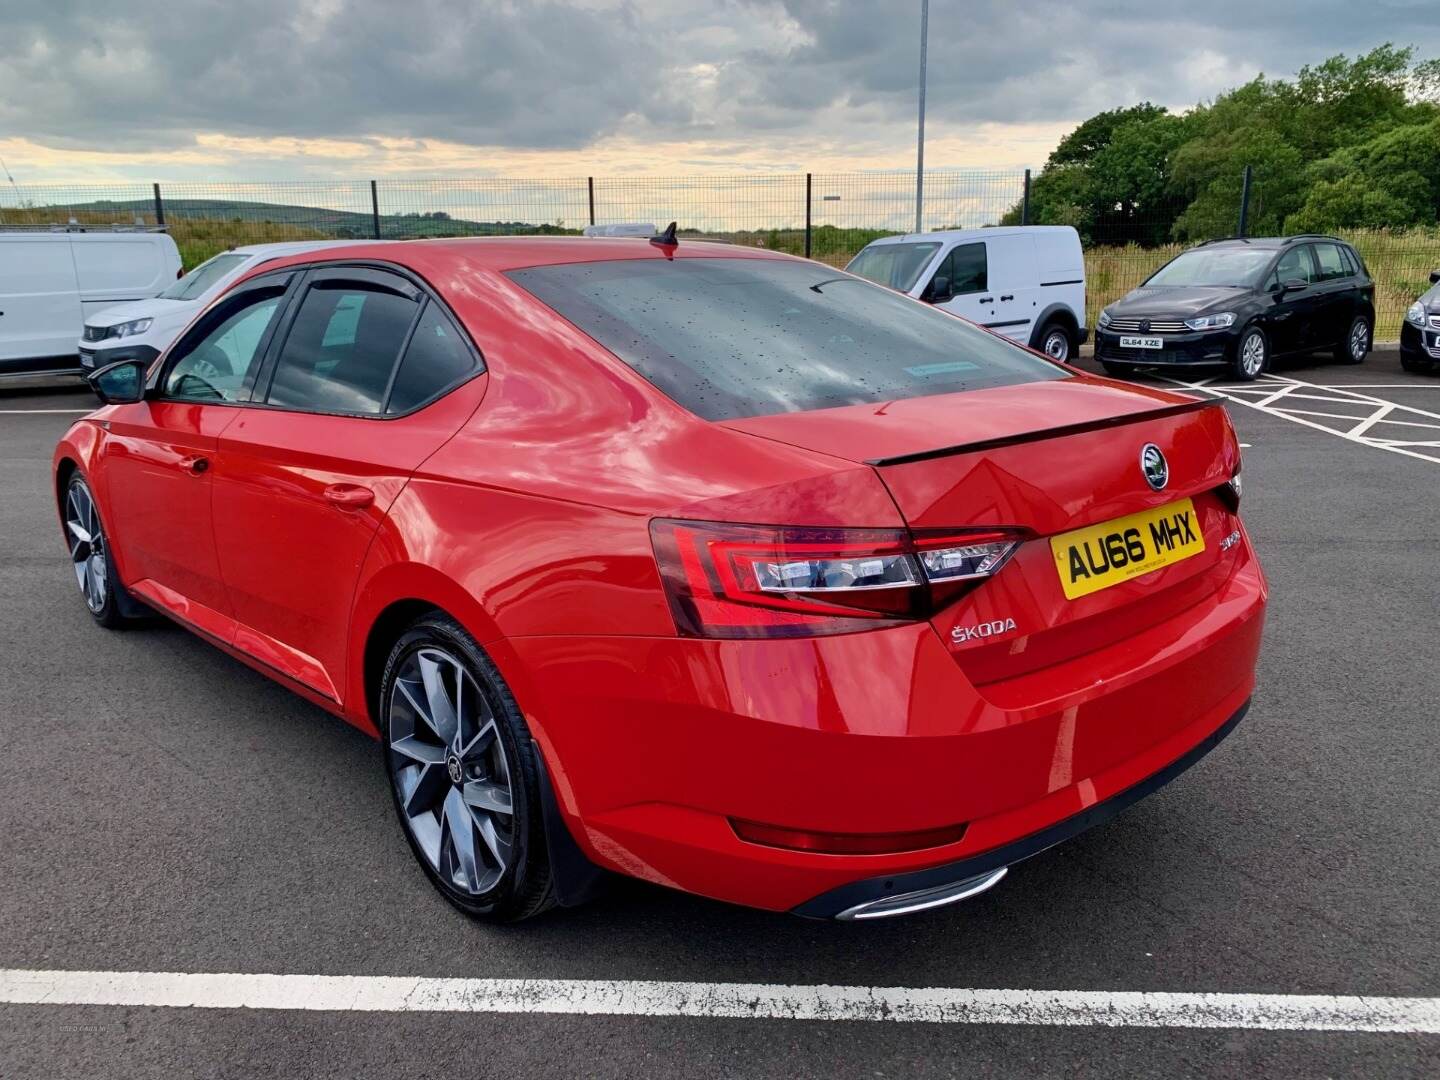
<point>666,238</point>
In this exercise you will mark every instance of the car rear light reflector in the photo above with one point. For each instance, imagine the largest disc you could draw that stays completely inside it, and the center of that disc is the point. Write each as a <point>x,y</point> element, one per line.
<point>845,843</point>
<point>737,581</point>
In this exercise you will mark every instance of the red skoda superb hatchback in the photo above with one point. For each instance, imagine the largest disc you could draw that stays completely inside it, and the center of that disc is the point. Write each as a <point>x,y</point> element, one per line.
<point>707,565</point>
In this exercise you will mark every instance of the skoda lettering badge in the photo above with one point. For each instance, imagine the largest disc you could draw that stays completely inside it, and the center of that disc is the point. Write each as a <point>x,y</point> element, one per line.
<point>1154,466</point>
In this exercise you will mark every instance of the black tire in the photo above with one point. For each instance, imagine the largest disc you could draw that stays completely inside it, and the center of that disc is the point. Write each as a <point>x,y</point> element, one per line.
<point>1057,341</point>
<point>525,885</point>
<point>78,505</point>
<point>1415,365</point>
<point>1117,371</point>
<point>1243,365</point>
<point>1347,348</point>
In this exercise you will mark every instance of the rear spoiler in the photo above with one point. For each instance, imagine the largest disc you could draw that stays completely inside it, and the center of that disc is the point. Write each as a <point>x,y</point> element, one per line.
<point>1052,432</point>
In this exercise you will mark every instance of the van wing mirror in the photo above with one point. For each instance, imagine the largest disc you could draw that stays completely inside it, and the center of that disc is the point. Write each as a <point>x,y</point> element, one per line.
<point>1435,277</point>
<point>939,289</point>
<point>120,383</point>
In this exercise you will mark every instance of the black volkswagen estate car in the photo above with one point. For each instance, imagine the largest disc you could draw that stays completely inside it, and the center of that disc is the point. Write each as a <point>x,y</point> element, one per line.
<point>1241,302</point>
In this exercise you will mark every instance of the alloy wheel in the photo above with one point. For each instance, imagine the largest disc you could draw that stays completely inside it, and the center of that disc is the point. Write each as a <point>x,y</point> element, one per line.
<point>1359,340</point>
<point>1252,354</point>
<point>87,545</point>
<point>1057,345</point>
<point>450,771</point>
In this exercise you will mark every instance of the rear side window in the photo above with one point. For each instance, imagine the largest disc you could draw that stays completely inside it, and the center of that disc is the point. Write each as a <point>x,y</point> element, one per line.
<point>748,337</point>
<point>436,359</point>
<point>1332,262</point>
<point>1294,265</point>
<point>342,349</point>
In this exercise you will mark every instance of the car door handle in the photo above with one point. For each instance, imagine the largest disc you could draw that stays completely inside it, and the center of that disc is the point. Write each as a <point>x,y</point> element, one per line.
<point>1010,297</point>
<point>194,463</point>
<point>349,496</point>
<point>987,300</point>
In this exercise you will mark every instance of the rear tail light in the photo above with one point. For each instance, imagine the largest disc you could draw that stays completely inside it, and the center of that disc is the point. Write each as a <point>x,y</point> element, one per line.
<point>744,581</point>
<point>1229,492</point>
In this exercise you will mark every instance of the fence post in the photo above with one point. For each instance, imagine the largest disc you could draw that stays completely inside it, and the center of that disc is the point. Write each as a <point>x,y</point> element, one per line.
<point>159,207</point>
<point>807,215</point>
<point>375,209</point>
<point>1025,201</point>
<point>590,184</point>
<point>1245,202</point>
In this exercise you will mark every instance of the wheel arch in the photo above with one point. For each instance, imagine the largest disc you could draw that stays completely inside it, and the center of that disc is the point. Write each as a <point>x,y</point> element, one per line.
<point>385,605</point>
<point>1058,312</point>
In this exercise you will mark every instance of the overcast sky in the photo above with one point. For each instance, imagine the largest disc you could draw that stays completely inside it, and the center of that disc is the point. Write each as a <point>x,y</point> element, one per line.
<point>98,90</point>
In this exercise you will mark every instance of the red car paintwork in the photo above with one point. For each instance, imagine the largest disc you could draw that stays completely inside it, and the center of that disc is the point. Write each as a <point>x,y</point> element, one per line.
<point>520,504</point>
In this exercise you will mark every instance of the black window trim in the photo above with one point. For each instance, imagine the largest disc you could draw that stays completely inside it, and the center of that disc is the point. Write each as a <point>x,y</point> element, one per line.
<point>302,275</point>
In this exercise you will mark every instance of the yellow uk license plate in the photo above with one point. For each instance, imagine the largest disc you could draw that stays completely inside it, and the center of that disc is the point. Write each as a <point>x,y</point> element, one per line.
<point>1098,556</point>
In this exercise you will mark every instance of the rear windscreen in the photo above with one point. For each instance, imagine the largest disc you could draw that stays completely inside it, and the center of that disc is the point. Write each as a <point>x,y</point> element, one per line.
<point>748,337</point>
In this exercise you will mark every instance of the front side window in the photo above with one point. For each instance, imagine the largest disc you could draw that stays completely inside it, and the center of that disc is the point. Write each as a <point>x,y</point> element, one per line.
<point>730,337</point>
<point>199,281</point>
<point>214,365</point>
<point>967,269</point>
<point>896,266</point>
<point>341,349</point>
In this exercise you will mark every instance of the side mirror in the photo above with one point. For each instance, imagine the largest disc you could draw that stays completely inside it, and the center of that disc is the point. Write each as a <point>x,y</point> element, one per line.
<point>1435,277</point>
<point>1293,285</point>
<point>938,291</point>
<point>121,383</point>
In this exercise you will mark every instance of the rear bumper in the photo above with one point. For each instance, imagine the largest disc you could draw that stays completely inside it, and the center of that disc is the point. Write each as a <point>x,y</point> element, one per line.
<point>860,899</point>
<point>655,745</point>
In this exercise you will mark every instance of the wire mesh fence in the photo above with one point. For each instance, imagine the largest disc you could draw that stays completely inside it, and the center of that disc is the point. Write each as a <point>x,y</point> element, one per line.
<point>827,216</point>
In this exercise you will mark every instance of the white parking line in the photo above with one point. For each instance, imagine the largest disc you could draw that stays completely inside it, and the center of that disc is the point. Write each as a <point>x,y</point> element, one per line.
<point>1373,423</point>
<point>15,412</point>
<point>750,1001</point>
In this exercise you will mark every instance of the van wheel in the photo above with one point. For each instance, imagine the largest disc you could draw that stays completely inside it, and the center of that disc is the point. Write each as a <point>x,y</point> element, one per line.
<point>1252,352</point>
<point>1057,342</point>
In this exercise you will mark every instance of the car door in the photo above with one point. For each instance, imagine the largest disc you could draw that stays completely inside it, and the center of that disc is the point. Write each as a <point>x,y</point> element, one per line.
<point>1013,282</point>
<point>966,269</point>
<point>1291,314</point>
<point>158,457</point>
<point>1336,291</point>
<point>303,483</point>
<point>39,305</point>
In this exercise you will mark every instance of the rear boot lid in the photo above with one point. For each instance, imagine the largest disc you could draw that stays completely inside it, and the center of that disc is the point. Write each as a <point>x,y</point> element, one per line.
<point>1049,458</point>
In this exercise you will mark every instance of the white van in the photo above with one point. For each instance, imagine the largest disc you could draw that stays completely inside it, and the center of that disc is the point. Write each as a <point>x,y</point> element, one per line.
<point>52,281</point>
<point>142,330</point>
<point>1025,282</point>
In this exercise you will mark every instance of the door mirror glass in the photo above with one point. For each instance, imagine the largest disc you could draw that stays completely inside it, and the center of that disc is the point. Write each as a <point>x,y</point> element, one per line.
<point>939,290</point>
<point>121,383</point>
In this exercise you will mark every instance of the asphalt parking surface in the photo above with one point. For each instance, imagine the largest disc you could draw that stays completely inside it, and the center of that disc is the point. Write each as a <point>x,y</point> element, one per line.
<point>165,809</point>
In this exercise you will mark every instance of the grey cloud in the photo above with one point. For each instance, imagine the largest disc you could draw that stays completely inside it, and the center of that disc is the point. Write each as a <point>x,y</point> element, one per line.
<point>561,74</point>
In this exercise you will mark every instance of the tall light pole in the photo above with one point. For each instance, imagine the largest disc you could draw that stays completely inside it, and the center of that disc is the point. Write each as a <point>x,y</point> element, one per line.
<point>920,137</point>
